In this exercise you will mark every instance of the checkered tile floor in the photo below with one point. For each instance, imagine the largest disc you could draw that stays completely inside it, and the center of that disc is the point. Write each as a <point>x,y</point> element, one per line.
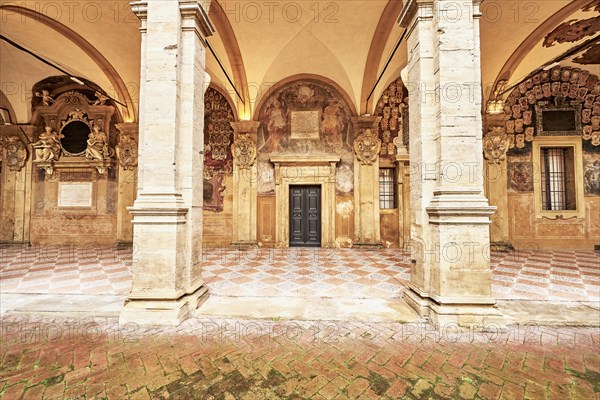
<point>65,270</point>
<point>307,272</point>
<point>549,275</point>
<point>298,272</point>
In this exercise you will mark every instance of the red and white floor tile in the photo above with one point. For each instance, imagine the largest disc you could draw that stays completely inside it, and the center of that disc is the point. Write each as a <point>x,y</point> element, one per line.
<point>296,272</point>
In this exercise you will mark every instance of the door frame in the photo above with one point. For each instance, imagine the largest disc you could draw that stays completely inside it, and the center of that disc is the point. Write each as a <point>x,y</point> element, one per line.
<point>296,169</point>
<point>305,209</point>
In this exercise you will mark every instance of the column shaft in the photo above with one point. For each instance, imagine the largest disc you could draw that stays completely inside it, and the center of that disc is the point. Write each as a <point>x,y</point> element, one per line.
<point>167,214</point>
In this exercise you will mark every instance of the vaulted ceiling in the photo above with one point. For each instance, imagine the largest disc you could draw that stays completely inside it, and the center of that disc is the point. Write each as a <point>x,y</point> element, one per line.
<point>261,43</point>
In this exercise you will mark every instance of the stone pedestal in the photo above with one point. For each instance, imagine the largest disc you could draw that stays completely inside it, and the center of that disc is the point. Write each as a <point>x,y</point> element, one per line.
<point>451,276</point>
<point>367,232</point>
<point>167,214</point>
<point>245,181</point>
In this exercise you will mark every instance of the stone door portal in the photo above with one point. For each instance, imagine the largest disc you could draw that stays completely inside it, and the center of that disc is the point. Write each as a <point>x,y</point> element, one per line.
<point>305,216</point>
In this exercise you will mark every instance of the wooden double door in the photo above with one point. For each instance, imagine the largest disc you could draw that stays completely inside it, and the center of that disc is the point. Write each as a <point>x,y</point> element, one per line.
<point>305,216</point>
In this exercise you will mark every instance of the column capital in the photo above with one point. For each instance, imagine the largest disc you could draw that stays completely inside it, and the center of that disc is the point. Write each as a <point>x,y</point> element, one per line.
<point>140,9</point>
<point>241,127</point>
<point>194,12</point>
<point>128,128</point>
<point>365,122</point>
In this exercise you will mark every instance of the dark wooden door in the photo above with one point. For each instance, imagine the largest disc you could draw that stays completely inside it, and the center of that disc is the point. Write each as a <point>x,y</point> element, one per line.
<point>305,216</point>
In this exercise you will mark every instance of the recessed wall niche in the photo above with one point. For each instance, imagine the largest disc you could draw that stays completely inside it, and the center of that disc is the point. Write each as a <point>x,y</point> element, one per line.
<point>74,137</point>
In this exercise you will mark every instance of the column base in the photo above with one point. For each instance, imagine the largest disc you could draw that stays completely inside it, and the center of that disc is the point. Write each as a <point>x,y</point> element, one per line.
<point>501,246</point>
<point>367,246</point>
<point>245,244</point>
<point>170,312</point>
<point>462,314</point>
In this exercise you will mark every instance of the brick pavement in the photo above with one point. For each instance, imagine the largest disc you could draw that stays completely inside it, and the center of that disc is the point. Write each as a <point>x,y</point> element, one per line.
<point>233,359</point>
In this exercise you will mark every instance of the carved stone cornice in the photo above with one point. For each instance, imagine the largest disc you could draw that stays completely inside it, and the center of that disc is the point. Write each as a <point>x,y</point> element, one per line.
<point>195,17</point>
<point>410,9</point>
<point>140,9</point>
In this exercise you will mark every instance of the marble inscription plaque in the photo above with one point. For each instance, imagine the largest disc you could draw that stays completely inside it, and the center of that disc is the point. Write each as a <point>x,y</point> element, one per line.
<point>75,194</point>
<point>305,125</point>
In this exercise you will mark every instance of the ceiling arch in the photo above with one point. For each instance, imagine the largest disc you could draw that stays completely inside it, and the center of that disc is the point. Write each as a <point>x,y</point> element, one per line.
<point>232,48</point>
<point>378,43</point>
<point>535,38</point>
<point>298,77</point>
<point>97,57</point>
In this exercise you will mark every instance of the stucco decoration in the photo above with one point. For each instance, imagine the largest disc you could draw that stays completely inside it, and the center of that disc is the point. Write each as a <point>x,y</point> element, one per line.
<point>367,146</point>
<point>47,100</point>
<point>560,88</point>
<point>520,176</point>
<point>495,145</point>
<point>15,153</point>
<point>244,152</point>
<point>127,152</point>
<point>305,117</point>
<point>393,127</point>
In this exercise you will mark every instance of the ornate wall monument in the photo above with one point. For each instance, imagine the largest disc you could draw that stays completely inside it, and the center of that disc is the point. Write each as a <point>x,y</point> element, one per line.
<point>451,277</point>
<point>167,214</point>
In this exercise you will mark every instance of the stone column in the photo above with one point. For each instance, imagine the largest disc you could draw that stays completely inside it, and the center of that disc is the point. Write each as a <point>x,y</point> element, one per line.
<point>127,159</point>
<point>451,276</point>
<point>245,181</point>
<point>167,214</point>
<point>367,232</point>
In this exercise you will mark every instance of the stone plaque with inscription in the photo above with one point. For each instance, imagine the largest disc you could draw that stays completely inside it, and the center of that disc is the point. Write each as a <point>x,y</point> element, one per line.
<point>75,194</point>
<point>305,125</point>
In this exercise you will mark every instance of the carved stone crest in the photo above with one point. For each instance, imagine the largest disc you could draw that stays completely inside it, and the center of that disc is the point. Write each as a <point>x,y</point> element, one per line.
<point>127,152</point>
<point>15,153</point>
<point>495,145</point>
<point>244,152</point>
<point>367,146</point>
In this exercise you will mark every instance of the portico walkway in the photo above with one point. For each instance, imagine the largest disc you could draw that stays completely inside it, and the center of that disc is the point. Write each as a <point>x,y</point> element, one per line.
<point>297,272</point>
